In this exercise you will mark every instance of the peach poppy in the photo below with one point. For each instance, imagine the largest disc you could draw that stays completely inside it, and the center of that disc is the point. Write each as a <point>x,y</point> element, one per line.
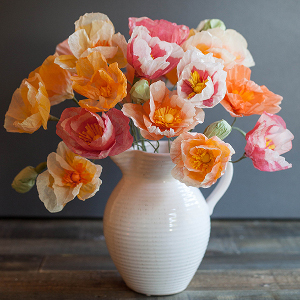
<point>165,114</point>
<point>103,86</point>
<point>267,141</point>
<point>244,97</point>
<point>229,45</point>
<point>56,80</point>
<point>164,30</point>
<point>94,32</point>
<point>68,175</point>
<point>199,161</point>
<point>29,108</point>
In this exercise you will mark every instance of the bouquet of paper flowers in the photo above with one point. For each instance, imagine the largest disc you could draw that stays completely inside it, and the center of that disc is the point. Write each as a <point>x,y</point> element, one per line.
<point>157,85</point>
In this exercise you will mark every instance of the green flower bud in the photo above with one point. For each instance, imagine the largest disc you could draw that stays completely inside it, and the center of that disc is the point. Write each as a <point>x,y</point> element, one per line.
<point>213,23</point>
<point>140,92</point>
<point>221,129</point>
<point>25,180</point>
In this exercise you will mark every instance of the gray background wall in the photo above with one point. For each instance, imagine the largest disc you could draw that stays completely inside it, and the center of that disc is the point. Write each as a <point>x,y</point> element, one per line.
<point>31,29</point>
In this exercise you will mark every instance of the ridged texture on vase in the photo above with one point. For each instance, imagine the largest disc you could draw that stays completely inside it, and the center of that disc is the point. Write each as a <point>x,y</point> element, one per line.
<point>156,228</point>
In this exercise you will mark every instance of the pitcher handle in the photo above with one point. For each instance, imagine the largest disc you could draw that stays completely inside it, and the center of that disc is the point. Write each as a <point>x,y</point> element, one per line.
<point>220,189</point>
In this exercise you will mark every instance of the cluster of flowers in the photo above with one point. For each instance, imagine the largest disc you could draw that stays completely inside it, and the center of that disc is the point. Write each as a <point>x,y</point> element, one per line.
<point>205,66</point>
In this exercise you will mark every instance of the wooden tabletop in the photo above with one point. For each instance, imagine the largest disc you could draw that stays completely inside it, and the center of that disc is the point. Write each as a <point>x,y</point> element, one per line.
<point>68,259</point>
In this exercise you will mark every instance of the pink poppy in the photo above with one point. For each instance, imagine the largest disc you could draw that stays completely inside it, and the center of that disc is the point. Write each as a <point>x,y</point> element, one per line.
<point>267,141</point>
<point>92,136</point>
<point>201,79</point>
<point>151,57</point>
<point>164,30</point>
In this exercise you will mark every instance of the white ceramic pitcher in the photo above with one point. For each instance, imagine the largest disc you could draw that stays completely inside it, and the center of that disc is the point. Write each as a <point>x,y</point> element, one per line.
<point>157,228</point>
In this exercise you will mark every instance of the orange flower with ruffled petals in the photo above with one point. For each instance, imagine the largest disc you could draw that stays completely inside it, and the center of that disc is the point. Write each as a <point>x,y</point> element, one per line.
<point>165,114</point>
<point>29,108</point>
<point>199,161</point>
<point>57,80</point>
<point>103,86</point>
<point>244,97</point>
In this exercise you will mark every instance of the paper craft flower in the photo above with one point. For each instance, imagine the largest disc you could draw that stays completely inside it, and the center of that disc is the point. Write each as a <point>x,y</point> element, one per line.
<point>68,175</point>
<point>229,45</point>
<point>201,79</point>
<point>165,114</point>
<point>149,56</point>
<point>103,85</point>
<point>94,32</point>
<point>56,80</point>
<point>244,97</point>
<point>91,136</point>
<point>199,161</point>
<point>164,30</point>
<point>267,141</point>
<point>29,108</point>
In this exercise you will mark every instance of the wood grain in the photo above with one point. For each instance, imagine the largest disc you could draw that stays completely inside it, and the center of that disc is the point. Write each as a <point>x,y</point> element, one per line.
<point>68,259</point>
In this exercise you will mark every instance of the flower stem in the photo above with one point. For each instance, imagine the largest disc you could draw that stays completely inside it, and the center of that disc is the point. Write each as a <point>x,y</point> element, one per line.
<point>239,130</point>
<point>242,157</point>
<point>52,118</point>
<point>76,101</point>
<point>234,121</point>
<point>41,167</point>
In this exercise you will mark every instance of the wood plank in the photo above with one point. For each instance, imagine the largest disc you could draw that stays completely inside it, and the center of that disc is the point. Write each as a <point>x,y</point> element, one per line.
<point>11,262</point>
<point>108,284</point>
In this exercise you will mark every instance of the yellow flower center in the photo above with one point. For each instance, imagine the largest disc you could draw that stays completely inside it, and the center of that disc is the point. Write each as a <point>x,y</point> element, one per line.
<point>167,117</point>
<point>92,133</point>
<point>247,96</point>
<point>105,91</point>
<point>203,159</point>
<point>270,144</point>
<point>197,84</point>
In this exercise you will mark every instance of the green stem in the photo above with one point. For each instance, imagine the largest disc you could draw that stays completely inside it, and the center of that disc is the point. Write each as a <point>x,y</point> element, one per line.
<point>172,89</point>
<point>169,144</point>
<point>234,121</point>
<point>242,157</point>
<point>76,101</point>
<point>239,130</point>
<point>41,167</point>
<point>52,118</point>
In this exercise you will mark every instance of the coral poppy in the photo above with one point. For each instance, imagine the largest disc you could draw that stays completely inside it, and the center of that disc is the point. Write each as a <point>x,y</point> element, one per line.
<point>267,141</point>
<point>244,97</point>
<point>201,79</point>
<point>68,175</point>
<point>165,114</point>
<point>164,30</point>
<point>103,85</point>
<point>29,108</point>
<point>94,32</point>
<point>199,161</point>
<point>229,45</point>
<point>91,136</point>
<point>56,80</point>
<point>149,56</point>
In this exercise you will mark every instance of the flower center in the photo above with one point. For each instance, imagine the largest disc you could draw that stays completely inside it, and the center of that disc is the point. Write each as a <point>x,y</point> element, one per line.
<point>247,96</point>
<point>167,117</point>
<point>203,159</point>
<point>197,84</point>
<point>270,144</point>
<point>80,175</point>
<point>105,91</point>
<point>92,133</point>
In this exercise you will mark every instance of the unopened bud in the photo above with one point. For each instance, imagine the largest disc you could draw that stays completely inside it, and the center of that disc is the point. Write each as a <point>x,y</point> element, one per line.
<point>140,91</point>
<point>25,180</point>
<point>210,24</point>
<point>221,129</point>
